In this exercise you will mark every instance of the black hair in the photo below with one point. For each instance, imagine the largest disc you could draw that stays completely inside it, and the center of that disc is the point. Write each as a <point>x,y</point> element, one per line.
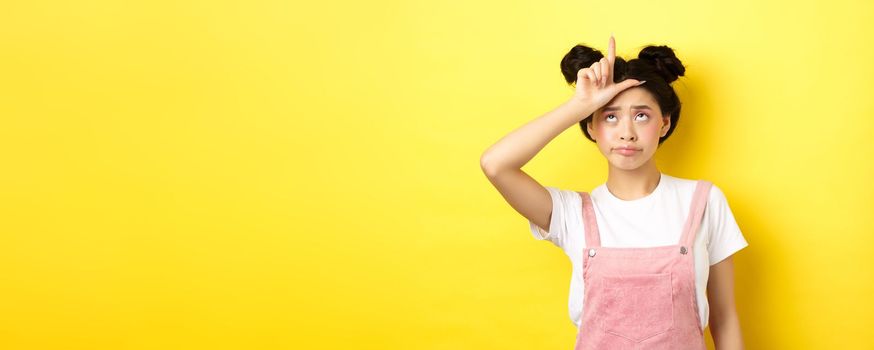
<point>658,65</point>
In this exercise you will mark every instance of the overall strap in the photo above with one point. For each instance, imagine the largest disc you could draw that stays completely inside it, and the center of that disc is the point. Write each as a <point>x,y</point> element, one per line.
<point>696,213</point>
<point>593,237</point>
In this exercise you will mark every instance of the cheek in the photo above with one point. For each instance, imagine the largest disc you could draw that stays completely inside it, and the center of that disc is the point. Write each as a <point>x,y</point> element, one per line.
<point>649,131</point>
<point>599,131</point>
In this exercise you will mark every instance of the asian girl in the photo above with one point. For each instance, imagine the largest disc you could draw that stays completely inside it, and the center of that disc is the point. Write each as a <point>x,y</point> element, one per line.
<point>651,253</point>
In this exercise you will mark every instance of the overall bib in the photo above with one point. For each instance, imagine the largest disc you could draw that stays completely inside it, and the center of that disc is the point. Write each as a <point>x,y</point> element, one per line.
<point>641,298</point>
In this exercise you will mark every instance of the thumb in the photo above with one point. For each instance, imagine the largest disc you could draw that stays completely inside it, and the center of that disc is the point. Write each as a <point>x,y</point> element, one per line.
<point>627,83</point>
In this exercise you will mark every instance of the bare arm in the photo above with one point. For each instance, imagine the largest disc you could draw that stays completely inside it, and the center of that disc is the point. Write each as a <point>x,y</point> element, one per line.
<point>724,322</point>
<point>502,162</point>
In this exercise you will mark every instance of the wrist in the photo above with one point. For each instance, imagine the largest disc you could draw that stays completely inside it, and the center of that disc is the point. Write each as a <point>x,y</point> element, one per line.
<point>581,107</point>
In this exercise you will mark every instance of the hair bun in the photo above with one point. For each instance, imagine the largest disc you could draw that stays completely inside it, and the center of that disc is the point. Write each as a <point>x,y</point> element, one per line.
<point>579,57</point>
<point>665,61</point>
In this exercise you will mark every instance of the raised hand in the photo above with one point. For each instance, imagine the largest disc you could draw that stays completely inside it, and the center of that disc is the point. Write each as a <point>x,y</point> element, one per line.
<point>595,83</point>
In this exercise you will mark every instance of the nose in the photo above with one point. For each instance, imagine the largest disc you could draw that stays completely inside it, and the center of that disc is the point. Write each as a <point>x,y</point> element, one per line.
<point>627,133</point>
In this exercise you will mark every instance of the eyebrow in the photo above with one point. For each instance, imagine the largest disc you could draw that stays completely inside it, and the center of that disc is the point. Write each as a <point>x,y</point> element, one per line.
<point>616,108</point>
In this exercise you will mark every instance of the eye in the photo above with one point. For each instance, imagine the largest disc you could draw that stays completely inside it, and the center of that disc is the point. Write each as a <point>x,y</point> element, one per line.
<point>638,115</point>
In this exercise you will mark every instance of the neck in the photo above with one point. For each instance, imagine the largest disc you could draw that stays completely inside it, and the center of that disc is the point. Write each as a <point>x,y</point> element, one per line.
<point>635,183</point>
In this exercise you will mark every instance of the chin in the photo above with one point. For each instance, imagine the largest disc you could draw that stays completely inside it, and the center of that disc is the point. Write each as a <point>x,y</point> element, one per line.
<point>627,166</point>
<point>620,162</point>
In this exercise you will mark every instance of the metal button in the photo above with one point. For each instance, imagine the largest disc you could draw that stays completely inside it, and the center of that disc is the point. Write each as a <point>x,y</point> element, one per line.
<point>591,252</point>
<point>682,250</point>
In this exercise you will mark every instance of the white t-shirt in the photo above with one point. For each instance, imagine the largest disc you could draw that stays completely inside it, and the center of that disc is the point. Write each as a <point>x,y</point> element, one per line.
<point>654,220</point>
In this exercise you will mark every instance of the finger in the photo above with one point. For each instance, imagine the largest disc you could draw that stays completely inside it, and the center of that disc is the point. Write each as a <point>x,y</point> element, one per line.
<point>605,68</point>
<point>611,57</point>
<point>581,73</point>
<point>627,83</point>
<point>590,75</point>
<point>596,68</point>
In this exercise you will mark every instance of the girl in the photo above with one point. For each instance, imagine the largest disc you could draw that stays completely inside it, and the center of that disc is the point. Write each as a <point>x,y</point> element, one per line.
<point>645,246</point>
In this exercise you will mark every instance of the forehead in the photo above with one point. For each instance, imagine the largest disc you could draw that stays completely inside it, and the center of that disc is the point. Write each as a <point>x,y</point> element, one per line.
<point>632,97</point>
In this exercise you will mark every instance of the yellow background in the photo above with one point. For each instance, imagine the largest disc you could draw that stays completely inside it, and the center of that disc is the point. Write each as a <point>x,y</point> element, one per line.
<point>305,175</point>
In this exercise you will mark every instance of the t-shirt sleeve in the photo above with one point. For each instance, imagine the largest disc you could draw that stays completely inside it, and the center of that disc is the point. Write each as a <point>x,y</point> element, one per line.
<point>558,228</point>
<point>725,235</point>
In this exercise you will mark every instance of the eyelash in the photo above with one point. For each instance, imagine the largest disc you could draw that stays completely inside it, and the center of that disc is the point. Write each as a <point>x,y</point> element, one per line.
<point>611,115</point>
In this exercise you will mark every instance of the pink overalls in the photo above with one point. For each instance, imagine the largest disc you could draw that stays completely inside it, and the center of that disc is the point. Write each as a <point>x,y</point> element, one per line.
<point>641,298</point>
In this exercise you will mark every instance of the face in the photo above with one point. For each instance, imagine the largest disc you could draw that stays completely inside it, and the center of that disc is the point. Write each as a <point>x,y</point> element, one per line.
<point>631,120</point>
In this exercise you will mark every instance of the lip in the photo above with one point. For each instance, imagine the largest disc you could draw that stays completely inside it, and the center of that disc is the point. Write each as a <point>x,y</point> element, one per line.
<point>626,151</point>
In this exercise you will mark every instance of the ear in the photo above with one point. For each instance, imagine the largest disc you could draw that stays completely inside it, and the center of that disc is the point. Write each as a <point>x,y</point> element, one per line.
<point>589,128</point>
<point>667,125</point>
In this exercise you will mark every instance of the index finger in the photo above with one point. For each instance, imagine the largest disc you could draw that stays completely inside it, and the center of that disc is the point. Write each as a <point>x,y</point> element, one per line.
<point>611,50</point>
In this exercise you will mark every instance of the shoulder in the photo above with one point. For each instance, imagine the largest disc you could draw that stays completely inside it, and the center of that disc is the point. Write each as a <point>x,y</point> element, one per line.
<point>565,195</point>
<point>678,186</point>
<point>565,220</point>
<point>679,181</point>
<point>687,187</point>
<point>716,195</point>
